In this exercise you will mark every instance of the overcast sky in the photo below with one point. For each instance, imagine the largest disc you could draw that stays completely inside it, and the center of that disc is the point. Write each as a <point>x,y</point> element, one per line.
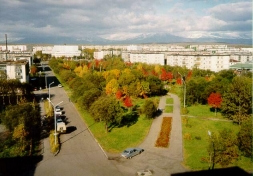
<point>121,19</point>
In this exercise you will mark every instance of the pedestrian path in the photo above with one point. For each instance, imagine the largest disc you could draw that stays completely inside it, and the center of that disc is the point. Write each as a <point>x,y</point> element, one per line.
<point>175,149</point>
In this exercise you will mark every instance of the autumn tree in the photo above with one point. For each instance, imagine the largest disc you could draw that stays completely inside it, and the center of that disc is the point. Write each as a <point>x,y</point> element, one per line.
<point>112,87</point>
<point>223,148</point>
<point>106,109</point>
<point>245,138</point>
<point>237,100</point>
<point>214,100</point>
<point>128,102</point>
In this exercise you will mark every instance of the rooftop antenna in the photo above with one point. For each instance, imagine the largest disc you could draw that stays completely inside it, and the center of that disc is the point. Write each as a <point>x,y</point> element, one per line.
<point>6,46</point>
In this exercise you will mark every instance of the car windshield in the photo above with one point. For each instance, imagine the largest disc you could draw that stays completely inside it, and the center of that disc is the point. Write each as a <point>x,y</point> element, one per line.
<point>126,151</point>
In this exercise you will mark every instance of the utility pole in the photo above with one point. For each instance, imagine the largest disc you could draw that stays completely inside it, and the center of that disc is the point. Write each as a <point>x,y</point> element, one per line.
<point>6,49</point>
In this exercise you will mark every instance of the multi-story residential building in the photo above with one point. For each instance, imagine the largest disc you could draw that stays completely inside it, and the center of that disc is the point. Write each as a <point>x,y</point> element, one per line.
<point>202,61</point>
<point>64,51</point>
<point>149,58</point>
<point>16,69</point>
<point>101,54</point>
<point>13,48</point>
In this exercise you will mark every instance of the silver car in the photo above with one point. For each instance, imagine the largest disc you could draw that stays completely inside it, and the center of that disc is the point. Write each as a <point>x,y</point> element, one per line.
<point>130,152</point>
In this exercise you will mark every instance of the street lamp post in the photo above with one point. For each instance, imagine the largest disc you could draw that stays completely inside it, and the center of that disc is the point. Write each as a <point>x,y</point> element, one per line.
<point>211,158</point>
<point>49,89</point>
<point>184,87</point>
<point>54,119</point>
<point>46,80</point>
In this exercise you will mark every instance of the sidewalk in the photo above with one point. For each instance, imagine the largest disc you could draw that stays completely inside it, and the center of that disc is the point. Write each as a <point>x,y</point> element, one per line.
<point>45,146</point>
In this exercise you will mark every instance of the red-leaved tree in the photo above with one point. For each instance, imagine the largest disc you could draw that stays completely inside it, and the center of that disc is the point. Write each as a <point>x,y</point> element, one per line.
<point>119,94</point>
<point>164,75</point>
<point>128,102</point>
<point>214,100</point>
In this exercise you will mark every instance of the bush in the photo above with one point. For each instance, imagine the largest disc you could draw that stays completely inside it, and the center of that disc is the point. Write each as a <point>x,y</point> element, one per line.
<point>164,136</point>
<point>187,136</point>
<point>54,148</point>
<point>184,111</point>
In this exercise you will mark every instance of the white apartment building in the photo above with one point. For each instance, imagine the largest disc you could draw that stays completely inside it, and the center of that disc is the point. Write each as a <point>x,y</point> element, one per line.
<point>44,49</point>
<point>101,54</point>
<point>149,58</point>
<point>13,48</point>
<point>134,48</point>
<point>16,70</point>
<point>214,63</point>
<point>65,51</point>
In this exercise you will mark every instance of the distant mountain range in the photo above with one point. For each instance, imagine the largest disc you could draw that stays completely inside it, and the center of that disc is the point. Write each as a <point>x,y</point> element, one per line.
<point>141,39</point>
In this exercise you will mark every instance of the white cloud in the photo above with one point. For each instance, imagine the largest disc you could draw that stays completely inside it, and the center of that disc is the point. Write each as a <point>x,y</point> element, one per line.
<point>121,19</point>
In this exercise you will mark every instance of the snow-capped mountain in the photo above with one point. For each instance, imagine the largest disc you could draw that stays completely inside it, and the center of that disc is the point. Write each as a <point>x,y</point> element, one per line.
<point>141,39</point>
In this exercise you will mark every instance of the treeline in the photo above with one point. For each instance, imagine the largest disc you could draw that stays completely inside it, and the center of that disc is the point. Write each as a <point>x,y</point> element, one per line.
<point>90,80</point>
<point>13,91</point>
<point>20,114</point>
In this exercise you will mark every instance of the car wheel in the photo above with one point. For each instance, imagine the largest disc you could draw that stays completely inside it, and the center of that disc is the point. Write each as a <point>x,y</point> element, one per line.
<point>140,152</point>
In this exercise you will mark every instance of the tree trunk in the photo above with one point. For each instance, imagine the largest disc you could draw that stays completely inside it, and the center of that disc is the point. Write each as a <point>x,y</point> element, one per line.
<point>106,127</point>
<point>215,112</point>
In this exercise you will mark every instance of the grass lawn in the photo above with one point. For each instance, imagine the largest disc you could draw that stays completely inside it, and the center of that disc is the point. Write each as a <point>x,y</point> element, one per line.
<point>118,138</point>
<point>202,111</point>
<point>168,109</point>
<point>195,138</point>
<point>169,101</point>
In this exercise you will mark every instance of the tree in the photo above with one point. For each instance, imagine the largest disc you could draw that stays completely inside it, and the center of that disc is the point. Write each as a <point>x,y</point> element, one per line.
<point>106,109</point>
<point>149,108</point>
<point>237,100</point>
<point>214,100</point>
<point>223,148</point>
<point>112,87</point>
<point>245,138</point>
<point>128,102</point>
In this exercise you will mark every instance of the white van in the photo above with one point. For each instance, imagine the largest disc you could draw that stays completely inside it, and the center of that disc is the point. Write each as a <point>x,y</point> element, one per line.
<point>58,112</point>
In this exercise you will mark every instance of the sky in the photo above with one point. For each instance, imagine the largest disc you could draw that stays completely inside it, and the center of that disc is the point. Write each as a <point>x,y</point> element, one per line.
<point>124,19</point>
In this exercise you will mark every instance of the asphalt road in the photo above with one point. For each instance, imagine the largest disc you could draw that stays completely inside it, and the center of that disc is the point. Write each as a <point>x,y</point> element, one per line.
<point>80,154</point>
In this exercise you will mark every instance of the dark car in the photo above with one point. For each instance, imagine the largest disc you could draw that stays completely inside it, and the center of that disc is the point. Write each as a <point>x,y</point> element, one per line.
<point>131,152</point>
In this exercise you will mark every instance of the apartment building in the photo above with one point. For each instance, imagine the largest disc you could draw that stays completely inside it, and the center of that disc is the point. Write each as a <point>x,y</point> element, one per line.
<point>13,48</point>
<point>149,58</point>
<point>16,69</point>
<point>204,61</point>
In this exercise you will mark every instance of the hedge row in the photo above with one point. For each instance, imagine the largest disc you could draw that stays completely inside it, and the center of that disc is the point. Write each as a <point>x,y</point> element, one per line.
<point>164,136</point>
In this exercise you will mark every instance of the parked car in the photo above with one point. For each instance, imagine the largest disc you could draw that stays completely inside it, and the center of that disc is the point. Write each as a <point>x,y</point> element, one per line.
<point>57,108</point>
<point>131,152</point>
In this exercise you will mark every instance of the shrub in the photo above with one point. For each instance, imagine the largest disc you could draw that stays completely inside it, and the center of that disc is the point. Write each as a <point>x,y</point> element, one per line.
<point>164,136</point>
<point>54,148</point>
<point>187,136</point>
<point>184,111</point>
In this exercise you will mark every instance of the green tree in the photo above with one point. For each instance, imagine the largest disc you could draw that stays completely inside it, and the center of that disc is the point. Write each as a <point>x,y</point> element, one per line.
<point>245,138</point>
<point>106,109</point>
<point>237,101</point>
<point>223,148</point>
<point>149,108</point>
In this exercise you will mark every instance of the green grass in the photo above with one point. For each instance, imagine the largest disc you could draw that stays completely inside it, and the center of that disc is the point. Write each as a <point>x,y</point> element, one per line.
<point>118,139</point>
<point>169,101</point>
<point>202,111</point>
<point>196,148</point>
<point>168,109</point>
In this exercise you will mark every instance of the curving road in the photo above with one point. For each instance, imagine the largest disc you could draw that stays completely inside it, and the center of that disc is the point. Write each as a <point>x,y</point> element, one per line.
<point>80,154</point>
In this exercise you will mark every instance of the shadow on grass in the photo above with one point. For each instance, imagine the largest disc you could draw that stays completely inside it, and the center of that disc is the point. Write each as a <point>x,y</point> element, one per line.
<point>128,119</point>
<point>232,171</point>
